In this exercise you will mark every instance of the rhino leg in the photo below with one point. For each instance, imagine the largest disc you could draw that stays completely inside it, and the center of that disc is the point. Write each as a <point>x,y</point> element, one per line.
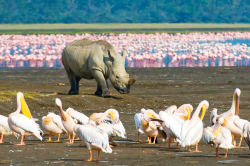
<point>98,91</point>
<point>74,83</point>
<point>102,89</point>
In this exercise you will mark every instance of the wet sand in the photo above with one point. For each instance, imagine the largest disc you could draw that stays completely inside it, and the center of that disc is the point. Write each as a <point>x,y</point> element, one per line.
<point>154,88</point>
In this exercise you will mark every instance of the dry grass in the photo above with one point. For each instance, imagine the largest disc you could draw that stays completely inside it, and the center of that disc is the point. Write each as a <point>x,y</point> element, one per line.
<point>9,95</point>
<point>119,28</point>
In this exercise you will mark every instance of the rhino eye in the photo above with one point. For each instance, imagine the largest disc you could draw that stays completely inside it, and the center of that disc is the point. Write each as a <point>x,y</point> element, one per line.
<point>117,77</point>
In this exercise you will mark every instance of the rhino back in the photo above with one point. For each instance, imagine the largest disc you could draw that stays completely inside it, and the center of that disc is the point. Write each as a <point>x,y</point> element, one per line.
<point>81,60</point>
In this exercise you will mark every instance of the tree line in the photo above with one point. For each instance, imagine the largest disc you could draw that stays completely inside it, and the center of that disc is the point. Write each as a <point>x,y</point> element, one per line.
<point>124,11</point>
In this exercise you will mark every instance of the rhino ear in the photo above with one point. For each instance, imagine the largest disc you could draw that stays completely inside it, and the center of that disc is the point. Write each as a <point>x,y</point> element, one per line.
<point>110,56</point>
<point>124,54</point>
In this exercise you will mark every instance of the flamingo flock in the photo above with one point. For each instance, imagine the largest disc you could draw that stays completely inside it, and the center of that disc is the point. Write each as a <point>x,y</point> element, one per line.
<point>144,50</point>
<point>180,124</point>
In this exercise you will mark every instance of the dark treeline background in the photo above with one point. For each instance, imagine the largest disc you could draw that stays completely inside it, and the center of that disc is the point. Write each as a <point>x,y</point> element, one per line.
<point>124,11</point>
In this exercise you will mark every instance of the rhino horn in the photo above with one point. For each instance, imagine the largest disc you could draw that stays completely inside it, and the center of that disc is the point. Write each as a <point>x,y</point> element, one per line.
<point>131,81</point>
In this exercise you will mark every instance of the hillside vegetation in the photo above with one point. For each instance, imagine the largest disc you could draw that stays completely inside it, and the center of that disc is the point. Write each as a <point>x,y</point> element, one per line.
<point>124,11</point>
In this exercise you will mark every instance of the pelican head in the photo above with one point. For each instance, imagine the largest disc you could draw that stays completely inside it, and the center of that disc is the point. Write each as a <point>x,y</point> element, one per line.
<point>113,115</point>
<point>58,102</point>
<point>236,100</point>
<point>213,116</point>
<point>59,106</point>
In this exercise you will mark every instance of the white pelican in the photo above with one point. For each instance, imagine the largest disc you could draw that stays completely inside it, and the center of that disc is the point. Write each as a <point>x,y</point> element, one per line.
<point>152,129</point>
<point>138,118</point>
<point>232,121</point>
<point>4,128</point>
<point>246,133</point>
<point>192,129</point>
<point>94,138</point>
<point>184,111</point>
<point>113,130</point>
<point>171,109</point>
<point>52,123</point>
<point>78,116</point>
<point>219,136</point>
<point>23,124</point>
<point>67,121</point>
<point>109,122</point>
<point>175,120</point>
<point>109,115</point>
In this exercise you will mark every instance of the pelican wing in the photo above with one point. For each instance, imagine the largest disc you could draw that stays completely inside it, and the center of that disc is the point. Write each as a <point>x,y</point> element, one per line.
<point>225,138</point>
<point>208,135</point>
<point>246,133</point>
<point>193,135</point>
<point>80,117</point>
<point>4,122</point>
<point>26,124</point>
<point>57,120</point>
<point>138,118</point>
<point>171,122</point>
<point>95,137</point>
<point>119,129</point>
<point>239,122</point>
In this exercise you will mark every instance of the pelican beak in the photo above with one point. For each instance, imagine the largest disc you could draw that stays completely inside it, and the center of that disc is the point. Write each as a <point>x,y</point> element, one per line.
<point>111,116</point>
<point>203,111</point>
<point>25,109</point>
<point>149,115</point>
<point>236,103</point>
<point>189,113</point>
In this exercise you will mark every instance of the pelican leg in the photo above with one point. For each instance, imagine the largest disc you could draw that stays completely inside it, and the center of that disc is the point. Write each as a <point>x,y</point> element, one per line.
<point>226,153</point>
<point>90,156</point>
<point>189,149</point>
<point>1,138</point>
<point>175,140</point>
<point>153,141</point>
<point>149,140</point>
<point>98,154</point>
<point>196,148</point>
<point>70,139</point>
<point>138,137</point>
<point>217,151</point>
<point>58,137</point>
<point>73,138</point>
<point>49,140</point>
<point>169,142</point>
<point>240,142</point>
<point>22,141</point>
<point>233,140</point>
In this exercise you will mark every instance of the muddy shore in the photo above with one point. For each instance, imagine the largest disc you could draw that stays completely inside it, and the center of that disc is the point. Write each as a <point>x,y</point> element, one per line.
<point>155,88</point>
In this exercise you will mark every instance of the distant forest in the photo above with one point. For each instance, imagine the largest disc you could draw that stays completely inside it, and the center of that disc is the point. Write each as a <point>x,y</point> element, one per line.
<point>124,11</point>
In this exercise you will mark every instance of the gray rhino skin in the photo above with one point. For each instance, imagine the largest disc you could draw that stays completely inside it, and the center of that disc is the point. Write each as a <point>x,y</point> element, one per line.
<point>96,60</point>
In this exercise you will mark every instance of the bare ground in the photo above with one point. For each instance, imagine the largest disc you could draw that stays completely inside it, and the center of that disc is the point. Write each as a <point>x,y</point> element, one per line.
<point>154,88</point>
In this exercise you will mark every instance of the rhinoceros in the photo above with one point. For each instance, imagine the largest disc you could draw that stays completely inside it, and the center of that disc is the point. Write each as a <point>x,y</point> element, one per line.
<point>96,60</point>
